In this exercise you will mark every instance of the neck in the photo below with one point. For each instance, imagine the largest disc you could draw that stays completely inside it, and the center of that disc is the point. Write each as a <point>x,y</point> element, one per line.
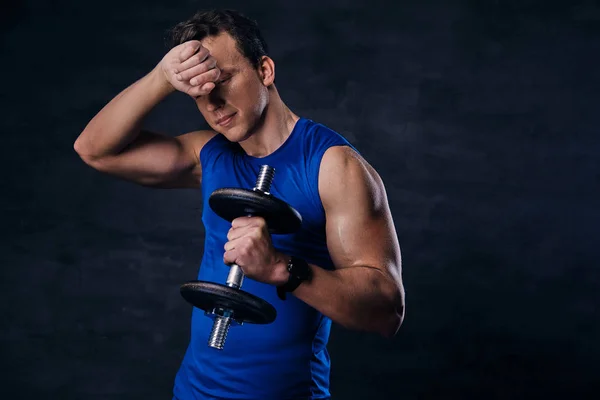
<point>273,129</point>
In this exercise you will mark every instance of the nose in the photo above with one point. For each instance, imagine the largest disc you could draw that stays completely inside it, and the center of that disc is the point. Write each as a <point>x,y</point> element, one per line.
<point>214,100</point>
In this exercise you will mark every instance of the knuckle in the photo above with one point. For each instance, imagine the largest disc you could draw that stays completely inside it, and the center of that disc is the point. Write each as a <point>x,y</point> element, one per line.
<point>248,242</point>
<point>202,68</point>
<point>214,74</point>
<point>202,54</point>
<point>210,63</point>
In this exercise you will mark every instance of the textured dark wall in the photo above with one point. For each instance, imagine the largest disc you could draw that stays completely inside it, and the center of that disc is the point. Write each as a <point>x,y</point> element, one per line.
<point>481,117</point>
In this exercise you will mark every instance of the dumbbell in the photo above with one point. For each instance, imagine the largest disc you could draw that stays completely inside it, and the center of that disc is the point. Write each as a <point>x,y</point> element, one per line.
<point>227,304</point>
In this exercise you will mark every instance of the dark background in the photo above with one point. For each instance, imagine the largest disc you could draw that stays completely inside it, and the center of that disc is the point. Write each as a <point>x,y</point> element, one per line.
<point>481,116</point>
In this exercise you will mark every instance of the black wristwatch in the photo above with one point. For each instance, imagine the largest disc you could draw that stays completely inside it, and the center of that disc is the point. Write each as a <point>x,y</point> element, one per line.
<point>299,272</point>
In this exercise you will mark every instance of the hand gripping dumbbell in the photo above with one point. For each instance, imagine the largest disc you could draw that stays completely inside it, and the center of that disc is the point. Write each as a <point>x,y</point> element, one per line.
<point>228,304</point>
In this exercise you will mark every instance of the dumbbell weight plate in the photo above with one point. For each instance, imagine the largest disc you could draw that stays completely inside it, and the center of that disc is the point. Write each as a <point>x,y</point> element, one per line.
<point>232,203</point>
<point>245,306</point>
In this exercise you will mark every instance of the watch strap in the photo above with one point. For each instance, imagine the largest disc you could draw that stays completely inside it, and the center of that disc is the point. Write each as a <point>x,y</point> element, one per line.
<point>299,271</point>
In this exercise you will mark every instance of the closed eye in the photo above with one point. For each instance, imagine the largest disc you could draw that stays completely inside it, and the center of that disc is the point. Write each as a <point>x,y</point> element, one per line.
<point>222,81</point>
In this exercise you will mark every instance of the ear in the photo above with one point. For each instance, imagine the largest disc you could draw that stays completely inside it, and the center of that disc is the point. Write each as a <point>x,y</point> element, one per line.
<point>266,71</point>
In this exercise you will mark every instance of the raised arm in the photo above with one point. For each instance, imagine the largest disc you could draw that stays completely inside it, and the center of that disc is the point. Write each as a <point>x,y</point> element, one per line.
<point>365,291</point>
<point>114,143</point>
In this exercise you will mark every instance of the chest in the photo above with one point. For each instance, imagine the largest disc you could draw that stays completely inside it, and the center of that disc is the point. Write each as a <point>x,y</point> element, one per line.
<point>291,183</point>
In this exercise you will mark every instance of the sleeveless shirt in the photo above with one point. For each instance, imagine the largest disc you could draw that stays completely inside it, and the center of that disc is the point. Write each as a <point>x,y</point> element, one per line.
<point>288,358</point>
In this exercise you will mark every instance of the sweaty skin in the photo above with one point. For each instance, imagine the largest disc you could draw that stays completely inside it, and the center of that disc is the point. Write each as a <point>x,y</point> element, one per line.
<point>365,291</point>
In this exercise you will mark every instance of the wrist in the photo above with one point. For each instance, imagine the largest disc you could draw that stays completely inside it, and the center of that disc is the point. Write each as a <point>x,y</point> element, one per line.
<point>280,271</point>
<point>299,271</point>
<point>160,81</point>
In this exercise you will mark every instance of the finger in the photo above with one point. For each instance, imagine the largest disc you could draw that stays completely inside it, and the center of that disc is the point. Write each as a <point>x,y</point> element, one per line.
<point>236,233</point>
<point>206,88</point>
<point>209,64</point>
<point>193,60</point>
<point>185,53</point>
<point>203,90</point>
<point>206,77</point>
<point>229,257</point>
<point>242,221</point>
<point>206,83</point>
<point>188,49</point>
<point>237,243</point>
<point>258,221</point>
<point>254,225</point>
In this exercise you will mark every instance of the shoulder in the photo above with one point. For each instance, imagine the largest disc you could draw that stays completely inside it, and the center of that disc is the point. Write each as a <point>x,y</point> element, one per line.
<point>320,134</point>
<point>345,175</point>
<point>324,146</point>
<point>196,138</point>
<point>345,162</point>
<point>206,146</point>
<point>193,142</point>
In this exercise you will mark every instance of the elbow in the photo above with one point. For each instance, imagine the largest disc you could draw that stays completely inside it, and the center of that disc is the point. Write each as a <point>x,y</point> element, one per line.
<point>394,315</point>
<point>85,153</point>
<point>77,146</point>
<point>80,148</point>
<point>392,324</point>
<point>385,322</point>
<point>391,305</point>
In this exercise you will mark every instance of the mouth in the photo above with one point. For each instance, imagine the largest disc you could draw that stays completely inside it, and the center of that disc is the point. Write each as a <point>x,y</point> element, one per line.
<point>224,121</point>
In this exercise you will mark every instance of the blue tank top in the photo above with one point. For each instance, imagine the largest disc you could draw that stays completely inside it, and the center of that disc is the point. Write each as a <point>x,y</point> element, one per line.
<point>288,358</point>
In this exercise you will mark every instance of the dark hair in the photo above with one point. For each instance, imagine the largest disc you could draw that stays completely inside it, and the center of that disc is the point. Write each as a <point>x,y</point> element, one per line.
<point>242,29</point>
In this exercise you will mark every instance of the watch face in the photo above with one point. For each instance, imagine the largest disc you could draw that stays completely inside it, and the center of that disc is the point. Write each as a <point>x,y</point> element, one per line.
<point>300,268</point>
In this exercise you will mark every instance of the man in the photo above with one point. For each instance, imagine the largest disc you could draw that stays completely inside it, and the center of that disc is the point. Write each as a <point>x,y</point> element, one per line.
<point>346,250</point>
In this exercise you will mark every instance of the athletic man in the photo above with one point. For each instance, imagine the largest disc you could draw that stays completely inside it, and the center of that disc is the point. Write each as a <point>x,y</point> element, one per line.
<point>343,264</point>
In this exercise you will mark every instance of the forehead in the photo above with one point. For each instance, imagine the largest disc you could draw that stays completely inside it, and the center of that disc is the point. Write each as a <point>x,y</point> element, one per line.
<point>224,49</point>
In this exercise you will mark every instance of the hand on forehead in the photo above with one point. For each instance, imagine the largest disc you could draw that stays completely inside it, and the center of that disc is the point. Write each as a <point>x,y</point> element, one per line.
<point>224,49</point>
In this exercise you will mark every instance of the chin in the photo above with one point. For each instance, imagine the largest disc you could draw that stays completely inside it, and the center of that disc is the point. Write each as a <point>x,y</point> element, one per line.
<point>234,134</point>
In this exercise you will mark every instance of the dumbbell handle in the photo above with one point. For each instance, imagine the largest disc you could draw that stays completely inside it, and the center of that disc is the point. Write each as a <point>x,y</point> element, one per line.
<point>236,275</point>
<point>235,278</point>
<point>263,184</point>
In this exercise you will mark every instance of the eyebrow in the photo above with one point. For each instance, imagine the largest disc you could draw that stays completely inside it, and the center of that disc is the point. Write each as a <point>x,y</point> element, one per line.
<point>228,70</point>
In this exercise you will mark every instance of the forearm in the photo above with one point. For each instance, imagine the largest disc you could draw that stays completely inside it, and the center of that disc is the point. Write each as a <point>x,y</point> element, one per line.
<point>118,122</point>
<point>358,298</point>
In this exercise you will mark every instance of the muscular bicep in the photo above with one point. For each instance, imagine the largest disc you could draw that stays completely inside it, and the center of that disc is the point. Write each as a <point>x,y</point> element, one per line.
<point>360,229</point>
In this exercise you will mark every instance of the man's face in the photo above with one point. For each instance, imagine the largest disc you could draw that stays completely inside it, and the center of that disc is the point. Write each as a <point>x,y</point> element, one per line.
<point>236,104</point>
